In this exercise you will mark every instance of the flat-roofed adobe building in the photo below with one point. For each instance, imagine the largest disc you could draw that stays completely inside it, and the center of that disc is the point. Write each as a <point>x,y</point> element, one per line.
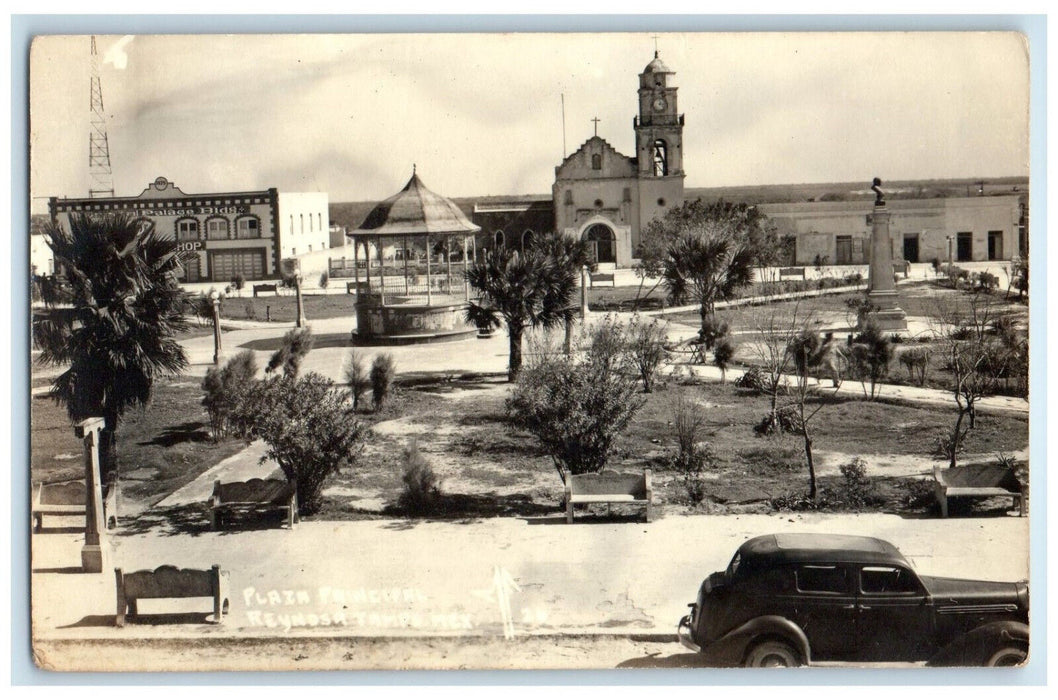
<point>221,234</point>
<point>979,228</point>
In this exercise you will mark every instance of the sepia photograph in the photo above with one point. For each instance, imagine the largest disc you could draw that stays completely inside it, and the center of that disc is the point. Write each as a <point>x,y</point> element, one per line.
<point>529,351</point>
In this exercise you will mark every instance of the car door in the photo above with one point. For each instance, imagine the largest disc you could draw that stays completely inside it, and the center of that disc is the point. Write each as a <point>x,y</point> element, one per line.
<point>893,614</point>
<point>824,606</point>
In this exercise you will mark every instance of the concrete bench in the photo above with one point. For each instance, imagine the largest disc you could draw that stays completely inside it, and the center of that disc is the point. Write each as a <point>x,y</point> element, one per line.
<point>253,497</point>
<point>976,481</point>
<point>791,273</point>
<point>356,288</point>
<point>68,498</point>
<point>172,582</point>
<point>608,487</point>
<point>602,277</point>
<point>261,288</point>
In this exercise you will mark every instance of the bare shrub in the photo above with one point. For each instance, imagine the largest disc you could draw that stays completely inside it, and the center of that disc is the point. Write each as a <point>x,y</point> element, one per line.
<point>646,343</point>
<point>357,377</point>
<point>383,370</point>
<point>421,493</point>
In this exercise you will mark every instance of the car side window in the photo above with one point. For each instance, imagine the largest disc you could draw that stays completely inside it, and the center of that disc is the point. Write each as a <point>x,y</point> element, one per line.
<point>887,579</point>
<point>821,579</point>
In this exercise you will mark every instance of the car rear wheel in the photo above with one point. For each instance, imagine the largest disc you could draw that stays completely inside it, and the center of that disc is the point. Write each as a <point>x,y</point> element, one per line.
<point>1008,656</point>
<point>772,654</point>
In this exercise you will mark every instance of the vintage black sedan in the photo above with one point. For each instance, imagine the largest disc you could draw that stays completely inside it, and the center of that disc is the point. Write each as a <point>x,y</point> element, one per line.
<point>794,599</point>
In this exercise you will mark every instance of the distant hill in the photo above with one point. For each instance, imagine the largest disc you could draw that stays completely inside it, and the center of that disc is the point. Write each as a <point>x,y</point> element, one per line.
<point>352,214</point>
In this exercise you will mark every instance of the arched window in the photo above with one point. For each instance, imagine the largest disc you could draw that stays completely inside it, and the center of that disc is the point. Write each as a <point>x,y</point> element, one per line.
<point>291,223</point>
<point>596,161</point>
<point>248,227</point>
<point>187,229</point>
<point>217,229</point>
<point>569,197</point>
<point>661,158</point>
<point>302,218</point>
<point>527,238</point>
<point>499,239</point>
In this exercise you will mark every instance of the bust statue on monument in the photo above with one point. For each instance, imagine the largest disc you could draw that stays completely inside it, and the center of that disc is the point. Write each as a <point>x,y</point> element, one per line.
<point>879,195</point>
<point>881,285</point>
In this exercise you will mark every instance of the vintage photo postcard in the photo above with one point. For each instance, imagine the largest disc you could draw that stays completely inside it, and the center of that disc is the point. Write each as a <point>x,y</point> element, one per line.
<point>529,351</point>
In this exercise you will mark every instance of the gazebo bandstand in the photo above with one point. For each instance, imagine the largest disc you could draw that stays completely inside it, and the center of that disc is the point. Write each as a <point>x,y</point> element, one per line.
<point>413,302</point>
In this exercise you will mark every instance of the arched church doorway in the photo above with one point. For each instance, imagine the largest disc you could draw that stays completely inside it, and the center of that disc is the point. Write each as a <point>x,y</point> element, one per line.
<point>603,243</point>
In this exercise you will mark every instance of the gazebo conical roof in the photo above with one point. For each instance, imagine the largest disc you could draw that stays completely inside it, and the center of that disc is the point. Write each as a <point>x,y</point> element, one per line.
<point>415,210</point>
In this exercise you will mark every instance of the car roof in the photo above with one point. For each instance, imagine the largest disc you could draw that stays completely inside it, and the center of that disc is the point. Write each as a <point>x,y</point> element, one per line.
<point>819,547</point>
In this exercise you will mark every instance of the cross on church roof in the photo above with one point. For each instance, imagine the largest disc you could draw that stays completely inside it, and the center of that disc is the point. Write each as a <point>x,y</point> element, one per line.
<point>596,120</point>
<point>655,37</point>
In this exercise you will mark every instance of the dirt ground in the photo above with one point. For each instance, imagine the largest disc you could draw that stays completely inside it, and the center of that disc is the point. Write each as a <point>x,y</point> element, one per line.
<point>487,469</point>
<point>347,654</point>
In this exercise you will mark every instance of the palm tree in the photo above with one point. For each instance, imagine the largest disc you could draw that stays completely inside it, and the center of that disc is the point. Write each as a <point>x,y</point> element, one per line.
<point>110,321</point>
<point>707,262</point>
<point>526,290</point>
<point>706,252</point>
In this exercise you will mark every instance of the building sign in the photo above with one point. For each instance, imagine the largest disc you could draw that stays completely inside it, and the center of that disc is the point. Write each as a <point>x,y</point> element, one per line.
<point>191,211</point>
<point>189,246</point>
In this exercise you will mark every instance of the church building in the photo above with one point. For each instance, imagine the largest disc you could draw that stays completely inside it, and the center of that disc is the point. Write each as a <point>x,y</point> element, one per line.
<point>608,198</point>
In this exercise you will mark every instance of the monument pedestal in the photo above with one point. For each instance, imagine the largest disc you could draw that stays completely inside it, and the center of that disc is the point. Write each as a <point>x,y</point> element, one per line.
<point>881,286</point>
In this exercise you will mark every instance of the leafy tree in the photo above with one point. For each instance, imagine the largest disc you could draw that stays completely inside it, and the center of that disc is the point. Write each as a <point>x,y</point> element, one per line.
<point>526,290</point>
<point>110,320</point>
<point>311,430</point>
<point>710,252</point>
<point>577,405</point>
<point>225,388</point>
<point>746,221</point>
<point>296,345</point>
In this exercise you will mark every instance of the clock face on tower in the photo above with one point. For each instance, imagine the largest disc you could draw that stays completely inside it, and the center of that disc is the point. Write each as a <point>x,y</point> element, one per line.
<point>660,104</point>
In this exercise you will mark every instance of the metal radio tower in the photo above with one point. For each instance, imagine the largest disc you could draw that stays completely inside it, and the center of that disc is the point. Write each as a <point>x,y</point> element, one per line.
<point>98,150</point>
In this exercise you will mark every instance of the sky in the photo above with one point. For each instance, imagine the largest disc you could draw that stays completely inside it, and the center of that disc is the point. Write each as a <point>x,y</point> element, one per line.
<point>482,114</point>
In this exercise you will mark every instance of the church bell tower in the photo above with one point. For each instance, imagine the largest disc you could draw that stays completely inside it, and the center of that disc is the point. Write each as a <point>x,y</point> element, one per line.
<point>659,126</point>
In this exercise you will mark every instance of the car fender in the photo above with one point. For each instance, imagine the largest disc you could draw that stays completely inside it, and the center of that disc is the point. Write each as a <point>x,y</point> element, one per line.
<point>975,647</point>
<point>730,649</point>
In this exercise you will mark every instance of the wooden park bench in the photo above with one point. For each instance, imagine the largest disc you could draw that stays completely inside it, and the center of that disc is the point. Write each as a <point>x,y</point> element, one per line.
<point>791,273</point>
<point>261,288</point>
<point>253,497</point>
<point>68,498</point>
<point>172,582</point>
<point>608,487</point>
<point>977,481</point>
<point>603,277</point>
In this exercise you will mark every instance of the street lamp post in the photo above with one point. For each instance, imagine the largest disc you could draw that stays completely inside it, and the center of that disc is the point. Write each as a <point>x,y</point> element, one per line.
<point>215,298</point>
<point>950,239</point>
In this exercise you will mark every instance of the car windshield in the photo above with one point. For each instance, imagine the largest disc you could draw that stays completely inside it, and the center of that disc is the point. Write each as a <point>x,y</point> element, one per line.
<point>733,566</point>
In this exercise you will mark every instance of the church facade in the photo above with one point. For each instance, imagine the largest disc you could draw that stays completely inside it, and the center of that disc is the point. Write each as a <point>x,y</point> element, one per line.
<point>607,198</point>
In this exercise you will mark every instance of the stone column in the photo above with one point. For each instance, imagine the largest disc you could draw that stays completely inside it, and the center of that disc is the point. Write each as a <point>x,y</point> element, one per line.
<point>94,552</point>
<point>881,284</point>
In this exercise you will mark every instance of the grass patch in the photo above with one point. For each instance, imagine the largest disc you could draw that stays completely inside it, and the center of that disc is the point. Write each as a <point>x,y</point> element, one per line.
<point>160,447</point>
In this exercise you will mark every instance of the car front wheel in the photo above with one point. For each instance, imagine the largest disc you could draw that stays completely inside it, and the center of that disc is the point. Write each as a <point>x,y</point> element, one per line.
<point>772,654</point>
<point>1008,656</point>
